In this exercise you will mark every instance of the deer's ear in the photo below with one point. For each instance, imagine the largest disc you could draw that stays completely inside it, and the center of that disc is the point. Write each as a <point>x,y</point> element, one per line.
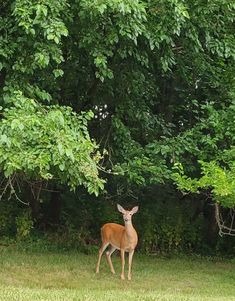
<point>135,209</point>
<point>120,209</point>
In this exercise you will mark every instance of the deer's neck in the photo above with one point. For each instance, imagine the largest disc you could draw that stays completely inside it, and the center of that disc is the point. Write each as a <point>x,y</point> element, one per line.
<point>130,230</point>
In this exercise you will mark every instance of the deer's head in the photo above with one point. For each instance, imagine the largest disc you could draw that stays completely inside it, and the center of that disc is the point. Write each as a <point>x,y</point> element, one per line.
<point>127,215</point>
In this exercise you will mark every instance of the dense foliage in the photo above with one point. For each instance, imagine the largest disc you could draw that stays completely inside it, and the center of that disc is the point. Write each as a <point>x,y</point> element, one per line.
<point>152,82</point>
<point>46,142</point>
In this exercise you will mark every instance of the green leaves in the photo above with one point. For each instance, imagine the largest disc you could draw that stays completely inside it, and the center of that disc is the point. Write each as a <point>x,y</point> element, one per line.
<point>111,23</point>
<point>30,44</point>
<point>42,59</point>
<point>213,137</point>
<point>41,16</point>
<point>48,142</point>
<point>151,70</point>
<point>219,180</point>
<point>58,72</point>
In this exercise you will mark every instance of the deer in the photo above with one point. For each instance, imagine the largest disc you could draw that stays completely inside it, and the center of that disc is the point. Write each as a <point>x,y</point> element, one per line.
<point>123,238</point>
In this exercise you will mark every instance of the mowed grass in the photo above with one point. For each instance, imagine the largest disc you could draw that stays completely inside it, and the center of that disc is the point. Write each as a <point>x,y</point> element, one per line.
<point>71,276</point>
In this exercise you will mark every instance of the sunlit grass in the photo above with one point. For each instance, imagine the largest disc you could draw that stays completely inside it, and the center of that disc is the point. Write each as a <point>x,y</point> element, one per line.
<point>70,276</point>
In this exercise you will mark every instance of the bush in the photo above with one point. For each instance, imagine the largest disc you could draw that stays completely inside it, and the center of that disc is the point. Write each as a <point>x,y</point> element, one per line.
<point>24,224</point>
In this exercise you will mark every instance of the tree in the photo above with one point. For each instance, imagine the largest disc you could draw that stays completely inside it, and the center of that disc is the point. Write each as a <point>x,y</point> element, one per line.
<point>152,72</point>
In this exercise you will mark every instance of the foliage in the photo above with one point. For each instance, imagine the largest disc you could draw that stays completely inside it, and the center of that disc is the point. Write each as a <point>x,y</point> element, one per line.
<point>219,180</point>
<point>216,145</point>
<point>147,62</point>
<point>30,42</point>
<point>24,224</point>
<point>48,142</point>
<point>7,219</point>
<point>159,79</point>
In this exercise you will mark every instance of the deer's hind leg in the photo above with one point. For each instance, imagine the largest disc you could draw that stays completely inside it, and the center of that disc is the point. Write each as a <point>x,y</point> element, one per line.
<point>101,250</point>
<point>108,255</point>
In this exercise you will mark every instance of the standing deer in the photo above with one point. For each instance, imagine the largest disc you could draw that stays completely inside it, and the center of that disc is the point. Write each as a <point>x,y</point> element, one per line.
<point>119,237</point>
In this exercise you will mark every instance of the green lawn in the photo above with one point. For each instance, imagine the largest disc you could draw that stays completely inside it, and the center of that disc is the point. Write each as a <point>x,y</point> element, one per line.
<point>70,276</point>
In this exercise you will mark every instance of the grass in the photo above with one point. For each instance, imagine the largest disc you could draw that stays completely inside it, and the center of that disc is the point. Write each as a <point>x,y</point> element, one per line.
<point>69,276</point>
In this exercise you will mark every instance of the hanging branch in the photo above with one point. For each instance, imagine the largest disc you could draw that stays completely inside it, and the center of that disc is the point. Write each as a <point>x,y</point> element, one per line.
<point>222,222</point>
<point>11,181</point>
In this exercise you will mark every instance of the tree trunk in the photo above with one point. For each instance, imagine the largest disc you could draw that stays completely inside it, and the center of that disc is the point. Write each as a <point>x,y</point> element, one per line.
<point>54,207</point>
<point>211,233</point>
<point>33,199</point>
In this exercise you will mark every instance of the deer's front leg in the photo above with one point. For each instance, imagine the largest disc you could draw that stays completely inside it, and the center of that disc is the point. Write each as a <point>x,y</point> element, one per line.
<point>123,264</point>
<point>131,253</point>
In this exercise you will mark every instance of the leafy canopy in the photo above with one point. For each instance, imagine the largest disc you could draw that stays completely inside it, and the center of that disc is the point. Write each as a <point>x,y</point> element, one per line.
<point>215,150</point>
<point>48,142</point>
<point>151,64</point>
